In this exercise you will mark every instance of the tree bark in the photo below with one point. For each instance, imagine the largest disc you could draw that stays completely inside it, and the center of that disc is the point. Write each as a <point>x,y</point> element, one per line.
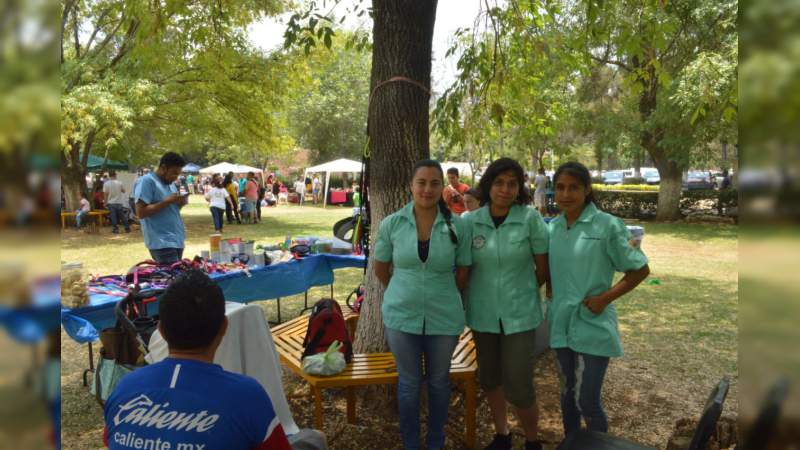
<point>397,128</point>
<point>669,190</point>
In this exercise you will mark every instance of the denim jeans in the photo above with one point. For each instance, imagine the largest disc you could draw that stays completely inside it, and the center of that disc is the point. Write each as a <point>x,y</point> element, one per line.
<point>581,382</point>
<point>118,215</point>
<point>216,215</point>
<point>408,350</point>
<point>78,216</point>
<point>166,255</point>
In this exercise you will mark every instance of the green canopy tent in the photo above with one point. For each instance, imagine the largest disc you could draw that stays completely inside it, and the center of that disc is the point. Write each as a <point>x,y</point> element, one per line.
<point>95,164</point>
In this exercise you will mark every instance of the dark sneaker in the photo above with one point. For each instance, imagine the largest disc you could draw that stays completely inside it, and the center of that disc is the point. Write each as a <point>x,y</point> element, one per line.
<point>500,442</point>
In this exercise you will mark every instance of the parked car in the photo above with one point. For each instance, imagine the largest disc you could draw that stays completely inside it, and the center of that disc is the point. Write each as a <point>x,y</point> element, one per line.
<point>699,180</point>
<point>613,177</point>
<point>651,175</point>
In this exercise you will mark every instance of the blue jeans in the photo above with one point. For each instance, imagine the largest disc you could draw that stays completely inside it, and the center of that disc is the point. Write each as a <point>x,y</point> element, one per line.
<point>408,350</point>
<point>78,216</point>
<point>216,214</point>
<point>581,382</point>
<point>166,255</point>
<point>117,213</point>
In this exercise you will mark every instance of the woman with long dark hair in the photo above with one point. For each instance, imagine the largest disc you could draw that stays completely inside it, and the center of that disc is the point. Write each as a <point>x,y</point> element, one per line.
<point>415,252</point>
<point>509,263</point>
<point>587,246</point>
<point>232,208</point>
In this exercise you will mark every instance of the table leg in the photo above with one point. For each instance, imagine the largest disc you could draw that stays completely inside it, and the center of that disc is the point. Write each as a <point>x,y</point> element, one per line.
<point>332,290</point>
<point>469,412</point>
<point>317,407</point>
<point>63,222</point>
<point>279,310</point>
<point>351,404</point>
<point>91,366</point>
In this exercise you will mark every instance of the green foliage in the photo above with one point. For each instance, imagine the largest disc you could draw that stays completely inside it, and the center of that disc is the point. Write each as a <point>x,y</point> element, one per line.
<point>139,78</point>
<point>622,201</point>
<point>327,100</point>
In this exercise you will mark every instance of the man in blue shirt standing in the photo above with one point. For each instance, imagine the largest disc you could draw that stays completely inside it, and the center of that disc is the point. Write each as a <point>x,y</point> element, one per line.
<point>158,206</point>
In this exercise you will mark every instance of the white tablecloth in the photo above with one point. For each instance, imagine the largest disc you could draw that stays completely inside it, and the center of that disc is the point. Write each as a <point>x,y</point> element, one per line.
<point>247,348</point>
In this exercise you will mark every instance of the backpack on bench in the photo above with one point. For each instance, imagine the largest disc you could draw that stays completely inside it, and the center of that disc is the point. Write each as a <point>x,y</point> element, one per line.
<point>325,326</point>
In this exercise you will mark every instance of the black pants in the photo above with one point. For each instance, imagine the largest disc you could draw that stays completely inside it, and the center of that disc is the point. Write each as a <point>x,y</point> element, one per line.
<point>231,212</point>
<point>258,210</point>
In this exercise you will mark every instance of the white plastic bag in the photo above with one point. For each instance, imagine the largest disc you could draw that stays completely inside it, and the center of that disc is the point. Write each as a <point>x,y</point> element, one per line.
<point>328,363</point>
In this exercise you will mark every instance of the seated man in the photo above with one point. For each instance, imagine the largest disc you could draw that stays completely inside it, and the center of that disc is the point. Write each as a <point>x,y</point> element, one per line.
<point>187,401</point>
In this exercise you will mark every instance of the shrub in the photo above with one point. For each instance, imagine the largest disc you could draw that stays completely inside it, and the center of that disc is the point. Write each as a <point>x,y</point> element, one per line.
<point>629,204</point>
<point>625,187</point>
<point>633,180</point>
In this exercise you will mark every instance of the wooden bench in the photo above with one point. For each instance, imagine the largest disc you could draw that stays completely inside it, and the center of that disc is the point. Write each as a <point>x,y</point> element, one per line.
<point>373,369</point>
<point>98,214</point>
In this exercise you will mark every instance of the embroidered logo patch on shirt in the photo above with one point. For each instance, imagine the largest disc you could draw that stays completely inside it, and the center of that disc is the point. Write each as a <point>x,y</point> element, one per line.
<point>478,241</point>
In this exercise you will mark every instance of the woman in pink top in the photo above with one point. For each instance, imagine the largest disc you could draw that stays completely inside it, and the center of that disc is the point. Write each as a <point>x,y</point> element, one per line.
<point>251,197</point>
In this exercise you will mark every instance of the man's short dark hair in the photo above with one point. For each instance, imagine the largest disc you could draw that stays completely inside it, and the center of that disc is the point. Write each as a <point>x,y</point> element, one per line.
<point>191,311</point>
<point>172,159</point>
<point>452,170</point>
<point>112,173</point>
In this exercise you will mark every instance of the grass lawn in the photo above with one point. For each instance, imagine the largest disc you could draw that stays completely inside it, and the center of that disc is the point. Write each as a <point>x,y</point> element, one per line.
<point>680,336</point>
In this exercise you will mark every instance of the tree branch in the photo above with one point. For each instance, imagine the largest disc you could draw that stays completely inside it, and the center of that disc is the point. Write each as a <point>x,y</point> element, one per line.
<point>68,5</point>
<point>97,27</point>
<point>614,62</point>
<point>75,33</point>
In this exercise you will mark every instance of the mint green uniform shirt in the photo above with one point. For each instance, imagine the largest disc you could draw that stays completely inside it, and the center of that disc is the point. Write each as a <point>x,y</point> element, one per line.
<point>583,260</point>
<point>502,285</point>
<point>422,298</point>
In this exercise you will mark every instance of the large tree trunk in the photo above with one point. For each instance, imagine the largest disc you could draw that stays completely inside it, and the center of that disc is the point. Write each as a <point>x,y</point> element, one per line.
<point>669,190</point>
<point>398,128</point>
<point>73,175</point>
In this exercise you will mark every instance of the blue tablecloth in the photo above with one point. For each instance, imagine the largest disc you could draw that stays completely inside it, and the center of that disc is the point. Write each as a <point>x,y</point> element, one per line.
<point>262,283</point>
<point>30,324</point>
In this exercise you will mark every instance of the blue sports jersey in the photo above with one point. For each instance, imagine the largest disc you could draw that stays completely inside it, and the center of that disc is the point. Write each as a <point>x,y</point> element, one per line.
<point>191,405</point>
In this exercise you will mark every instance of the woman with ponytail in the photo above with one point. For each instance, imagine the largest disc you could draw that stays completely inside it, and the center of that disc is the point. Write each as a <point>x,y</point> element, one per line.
<point>414,255</point>
<point>587,247</point>
<point>509,263</point>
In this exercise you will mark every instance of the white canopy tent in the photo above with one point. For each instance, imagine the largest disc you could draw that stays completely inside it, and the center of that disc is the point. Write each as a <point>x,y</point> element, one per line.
<point>342,165</point>
<point>225,167</point>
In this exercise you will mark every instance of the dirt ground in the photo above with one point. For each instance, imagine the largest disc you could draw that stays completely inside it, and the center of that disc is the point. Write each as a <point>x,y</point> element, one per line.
<point>641,406</point>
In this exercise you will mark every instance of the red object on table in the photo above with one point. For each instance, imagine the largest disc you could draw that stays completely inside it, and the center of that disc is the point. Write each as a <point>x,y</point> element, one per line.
<point>338,197</point>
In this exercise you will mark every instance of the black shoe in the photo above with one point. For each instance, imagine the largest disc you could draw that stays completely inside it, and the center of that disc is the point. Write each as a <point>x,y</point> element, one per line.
<point>115,231</point>
<point>533,445</point>
<point>500,442</point>
<point>127,230</point>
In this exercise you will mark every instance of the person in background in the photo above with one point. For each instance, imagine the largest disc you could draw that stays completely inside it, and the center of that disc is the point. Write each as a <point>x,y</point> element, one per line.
<point>158,205</point>
<point>251,196</point>
<point>232,209</point>
<point>316,189</point>
<point>114,196</point>
<point>472,199</point>
<point>261,192</point>
<point>300,189</point>
<point>83,211</point>
<point>540,191</point>
<point>242,182</point>
<point>190,182</point>
<point>218,198</point>
<point>454,192</point>
<point>587,246</point>
<point>726,180</point>
<point>197,401</point>
<point>98,198</point>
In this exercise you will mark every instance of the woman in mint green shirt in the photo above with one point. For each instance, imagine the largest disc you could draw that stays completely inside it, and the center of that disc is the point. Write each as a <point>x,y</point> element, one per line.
<point>509,263</point>
<point>416,252</point>
<point>587,246</point>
